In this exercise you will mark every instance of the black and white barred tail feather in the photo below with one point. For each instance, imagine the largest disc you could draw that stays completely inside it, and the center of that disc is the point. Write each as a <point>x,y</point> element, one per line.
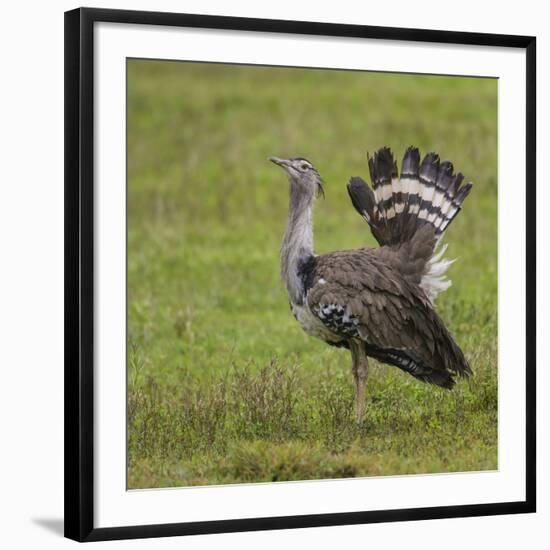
<point>427,192</point>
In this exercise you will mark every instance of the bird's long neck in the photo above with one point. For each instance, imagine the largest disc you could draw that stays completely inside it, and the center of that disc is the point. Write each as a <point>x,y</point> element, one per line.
<point>297,244</point>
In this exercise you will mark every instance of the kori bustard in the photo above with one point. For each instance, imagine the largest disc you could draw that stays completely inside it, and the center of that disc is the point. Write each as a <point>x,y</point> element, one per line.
<point>378,302</point>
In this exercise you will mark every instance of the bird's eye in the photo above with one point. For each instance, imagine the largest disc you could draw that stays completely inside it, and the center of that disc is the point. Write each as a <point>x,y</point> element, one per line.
<point>304,166</point>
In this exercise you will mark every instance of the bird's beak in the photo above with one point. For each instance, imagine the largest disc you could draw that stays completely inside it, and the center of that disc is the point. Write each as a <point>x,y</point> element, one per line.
<point>279,162</point>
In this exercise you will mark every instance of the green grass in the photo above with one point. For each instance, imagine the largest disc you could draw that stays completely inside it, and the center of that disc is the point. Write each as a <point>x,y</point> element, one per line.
<point>223,385</point>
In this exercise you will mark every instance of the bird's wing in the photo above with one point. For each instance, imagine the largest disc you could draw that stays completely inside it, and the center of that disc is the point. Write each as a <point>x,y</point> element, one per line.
<point>357,294</point>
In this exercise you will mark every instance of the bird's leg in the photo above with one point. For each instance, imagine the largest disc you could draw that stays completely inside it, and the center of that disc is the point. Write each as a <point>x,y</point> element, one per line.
<point>360,368</point>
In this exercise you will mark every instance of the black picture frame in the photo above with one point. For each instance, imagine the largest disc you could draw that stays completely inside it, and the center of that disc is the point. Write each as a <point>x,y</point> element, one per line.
<point>79,273</point>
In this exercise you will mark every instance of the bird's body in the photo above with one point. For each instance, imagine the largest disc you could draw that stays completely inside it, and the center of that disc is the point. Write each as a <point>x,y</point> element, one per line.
<point>378,302</point>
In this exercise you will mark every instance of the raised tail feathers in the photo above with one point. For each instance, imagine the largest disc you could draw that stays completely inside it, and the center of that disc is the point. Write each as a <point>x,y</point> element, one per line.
<point>427,192</point>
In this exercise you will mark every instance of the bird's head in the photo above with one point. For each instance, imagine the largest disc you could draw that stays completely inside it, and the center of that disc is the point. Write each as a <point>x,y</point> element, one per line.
<point>304,178</point>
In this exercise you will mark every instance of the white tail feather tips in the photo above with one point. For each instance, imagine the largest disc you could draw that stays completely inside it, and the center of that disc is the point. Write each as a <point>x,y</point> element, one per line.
<point>432,286</point>
<point>434,280</point>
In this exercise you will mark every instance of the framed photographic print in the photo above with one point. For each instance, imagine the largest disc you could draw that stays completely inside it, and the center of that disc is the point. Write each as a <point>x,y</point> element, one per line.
<point>263,222</point>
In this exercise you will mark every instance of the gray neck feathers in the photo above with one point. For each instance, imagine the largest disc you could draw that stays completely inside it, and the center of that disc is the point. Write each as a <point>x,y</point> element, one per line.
<point>298,241</point>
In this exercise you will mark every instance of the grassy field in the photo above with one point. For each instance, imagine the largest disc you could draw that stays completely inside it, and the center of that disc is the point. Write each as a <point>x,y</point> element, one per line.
<point>223,385</point>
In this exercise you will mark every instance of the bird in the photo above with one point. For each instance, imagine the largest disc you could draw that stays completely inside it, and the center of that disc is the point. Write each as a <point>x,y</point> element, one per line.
<point>379,302</point>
